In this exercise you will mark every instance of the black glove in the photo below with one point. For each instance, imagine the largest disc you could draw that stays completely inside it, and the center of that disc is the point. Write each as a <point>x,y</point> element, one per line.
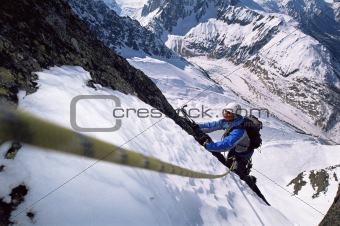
<point>202,140</point>
<point>194,126</point>
<point>205,143</point>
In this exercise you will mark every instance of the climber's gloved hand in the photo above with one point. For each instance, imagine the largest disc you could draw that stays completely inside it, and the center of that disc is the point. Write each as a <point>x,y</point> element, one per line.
<point>194,126</point>
<point>204,139</point>
<point>205,143</point>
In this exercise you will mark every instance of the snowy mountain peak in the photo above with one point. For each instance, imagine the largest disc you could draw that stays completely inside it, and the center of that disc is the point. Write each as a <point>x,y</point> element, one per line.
<point>183,14</point>
<point>316,18</point>
<point>270,46</point>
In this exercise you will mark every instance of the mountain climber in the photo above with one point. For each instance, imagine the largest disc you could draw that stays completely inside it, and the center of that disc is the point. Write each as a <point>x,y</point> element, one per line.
<point>235,140</point>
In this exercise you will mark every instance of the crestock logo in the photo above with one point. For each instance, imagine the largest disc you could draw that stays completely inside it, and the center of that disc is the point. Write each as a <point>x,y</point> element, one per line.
<point>204,112</point>
<point>119,113</point>
<point>155,113</point>
<point>73,113</point>
<point>258,112</point>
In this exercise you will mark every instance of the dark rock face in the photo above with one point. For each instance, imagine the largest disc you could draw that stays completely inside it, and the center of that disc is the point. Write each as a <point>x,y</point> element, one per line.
<point>38,34</point>
<point>318,179</point>
<point>298,183</point>
<point>17,197</point>
<point>151,6</point>
<point>332,217</point>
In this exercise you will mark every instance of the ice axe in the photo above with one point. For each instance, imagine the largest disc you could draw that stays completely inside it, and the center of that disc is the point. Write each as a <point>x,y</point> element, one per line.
<point>185,114</point>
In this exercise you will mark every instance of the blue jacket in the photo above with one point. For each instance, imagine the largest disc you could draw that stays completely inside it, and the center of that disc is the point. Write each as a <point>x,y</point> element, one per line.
<point>237,140</point>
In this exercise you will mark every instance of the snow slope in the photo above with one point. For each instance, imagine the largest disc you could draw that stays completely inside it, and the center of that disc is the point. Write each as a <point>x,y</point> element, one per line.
<point>68,190</point>
<point>285,152</point>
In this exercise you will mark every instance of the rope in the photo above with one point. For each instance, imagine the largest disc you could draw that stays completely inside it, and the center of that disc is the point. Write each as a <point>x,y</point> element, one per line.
<point>23,127</point>
<point>233,166</point>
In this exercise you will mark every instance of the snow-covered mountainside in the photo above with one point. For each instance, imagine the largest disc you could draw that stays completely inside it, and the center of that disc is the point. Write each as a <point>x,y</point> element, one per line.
<point>275,53</point>
<point>59,185</point>
<point>122,34</point>
<point>317,18</point>
<point>118,193</point>
<point>130,8</point>
<point>284,154</point>
<point>42,187</point>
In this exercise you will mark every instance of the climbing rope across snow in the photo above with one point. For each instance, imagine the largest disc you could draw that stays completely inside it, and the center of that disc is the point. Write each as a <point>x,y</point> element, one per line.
<point>25,128</point>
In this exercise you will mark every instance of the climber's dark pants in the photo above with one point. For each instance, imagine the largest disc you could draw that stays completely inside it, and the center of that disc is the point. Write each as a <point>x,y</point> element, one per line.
<point>240,168</point>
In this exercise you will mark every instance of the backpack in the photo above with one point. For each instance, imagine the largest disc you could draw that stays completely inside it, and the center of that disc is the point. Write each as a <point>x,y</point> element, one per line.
<point>253,126</point>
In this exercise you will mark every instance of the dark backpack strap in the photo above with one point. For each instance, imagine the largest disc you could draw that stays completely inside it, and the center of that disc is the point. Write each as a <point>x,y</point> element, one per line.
<point>227,131</point>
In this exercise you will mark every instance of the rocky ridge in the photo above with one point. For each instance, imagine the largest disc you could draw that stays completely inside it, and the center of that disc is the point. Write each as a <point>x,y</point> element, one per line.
<point>332,216</point>
<point>118,33</point>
